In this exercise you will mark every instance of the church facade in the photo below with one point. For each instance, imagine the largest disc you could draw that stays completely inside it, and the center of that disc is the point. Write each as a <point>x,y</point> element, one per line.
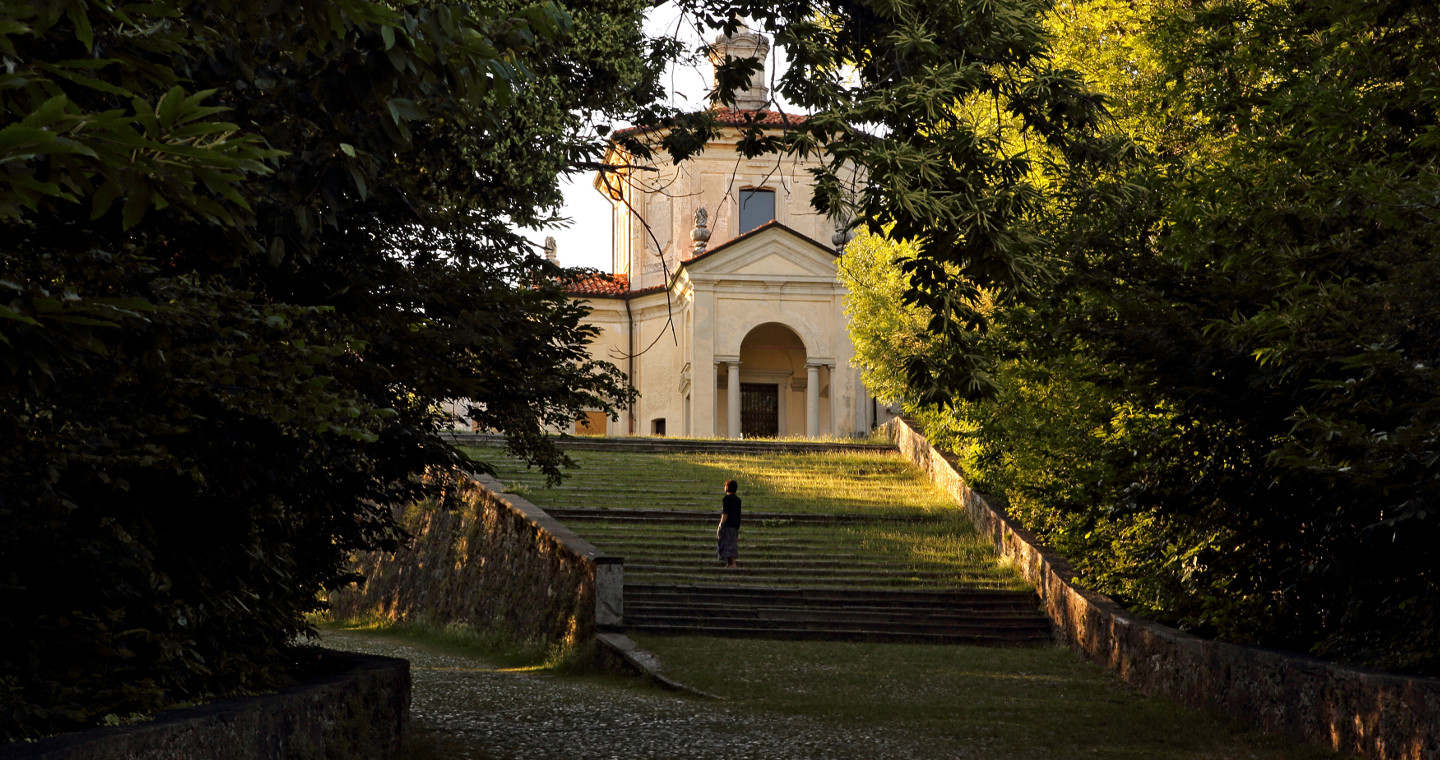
<point>724,307</point>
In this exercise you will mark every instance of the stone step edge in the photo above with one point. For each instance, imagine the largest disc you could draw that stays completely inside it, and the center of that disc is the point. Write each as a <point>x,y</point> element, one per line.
<point>701,560</point>
<point>866,626</point>
<point>802,591</point>
<point>856,635</point>
<point>746,570</point>
<point>877,586</point>
<point>836,606</point>
<point>620,514</point>
<point>847,617</point>
<point>638,443</point>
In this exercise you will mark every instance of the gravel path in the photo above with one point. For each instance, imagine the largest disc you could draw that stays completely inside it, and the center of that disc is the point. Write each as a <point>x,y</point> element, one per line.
<point>464,708</point>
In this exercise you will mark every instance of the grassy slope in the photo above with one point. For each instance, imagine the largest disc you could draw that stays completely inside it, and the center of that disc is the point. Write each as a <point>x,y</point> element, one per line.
<point>878,484</point>
<point>1013,703</point>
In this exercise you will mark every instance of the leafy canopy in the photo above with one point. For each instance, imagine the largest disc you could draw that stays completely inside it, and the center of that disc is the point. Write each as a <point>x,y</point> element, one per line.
<point>1223,402</point>
<point>249,248</point>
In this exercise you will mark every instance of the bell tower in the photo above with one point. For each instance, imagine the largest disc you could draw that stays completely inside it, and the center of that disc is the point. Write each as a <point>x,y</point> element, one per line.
<point>741,45</point>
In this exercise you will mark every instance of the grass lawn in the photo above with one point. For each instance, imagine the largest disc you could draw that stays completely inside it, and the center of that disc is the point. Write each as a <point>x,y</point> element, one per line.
<point>878,482</point>
<point>1014,703</point>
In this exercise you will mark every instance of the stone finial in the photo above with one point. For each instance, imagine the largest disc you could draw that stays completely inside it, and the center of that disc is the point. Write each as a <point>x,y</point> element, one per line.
<point>550,248</point>
<point>740,45</point>
<point>700,235</point>
<point>842,234</point>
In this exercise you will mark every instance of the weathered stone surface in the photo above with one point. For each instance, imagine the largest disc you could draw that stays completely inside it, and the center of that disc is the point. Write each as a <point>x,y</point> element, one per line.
<point>1379,715</point>
<point>358,714</point>
<point>494,559</point>
<point>609,593</point>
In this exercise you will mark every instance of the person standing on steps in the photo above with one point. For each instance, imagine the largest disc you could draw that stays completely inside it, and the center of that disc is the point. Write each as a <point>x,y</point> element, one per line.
<point>727,534</point>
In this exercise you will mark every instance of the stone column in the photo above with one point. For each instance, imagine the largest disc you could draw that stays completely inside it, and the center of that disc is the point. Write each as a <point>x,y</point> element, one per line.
<point>732,380</point>
<point>812,400</point>
<point>834,400</point>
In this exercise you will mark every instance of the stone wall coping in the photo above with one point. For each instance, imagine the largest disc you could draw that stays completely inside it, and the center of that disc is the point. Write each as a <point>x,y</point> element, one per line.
<point>607,571</point>
<point>1381,715</point>
<point>544,522</point>
<point>210,730</point>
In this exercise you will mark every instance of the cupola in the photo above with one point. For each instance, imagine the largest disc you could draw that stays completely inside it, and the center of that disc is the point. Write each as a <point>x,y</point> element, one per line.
<point>741,45</point>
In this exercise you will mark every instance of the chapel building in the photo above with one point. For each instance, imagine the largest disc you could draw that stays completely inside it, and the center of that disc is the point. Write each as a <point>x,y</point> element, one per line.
<point>724,307</point>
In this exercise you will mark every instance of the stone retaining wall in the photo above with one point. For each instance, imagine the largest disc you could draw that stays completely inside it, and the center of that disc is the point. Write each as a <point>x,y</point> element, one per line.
<point>495,559</point>
<point>1379,715</point>
<point>356,714</point>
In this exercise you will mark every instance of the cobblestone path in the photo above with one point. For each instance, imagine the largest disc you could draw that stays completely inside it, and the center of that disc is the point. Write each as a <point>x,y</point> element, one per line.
<point>467,709</point>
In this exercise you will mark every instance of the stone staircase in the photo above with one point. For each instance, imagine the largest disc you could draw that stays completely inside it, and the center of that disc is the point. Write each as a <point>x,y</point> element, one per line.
<point>839,541</point>
<point>976,617</point>
<point>802,576</point>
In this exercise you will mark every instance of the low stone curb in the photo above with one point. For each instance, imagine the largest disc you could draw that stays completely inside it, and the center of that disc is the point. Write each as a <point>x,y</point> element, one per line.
<point>623,655</point>
<point>357,714</point>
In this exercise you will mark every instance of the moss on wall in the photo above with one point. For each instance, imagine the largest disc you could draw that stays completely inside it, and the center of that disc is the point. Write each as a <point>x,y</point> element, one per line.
<point>486,560</point>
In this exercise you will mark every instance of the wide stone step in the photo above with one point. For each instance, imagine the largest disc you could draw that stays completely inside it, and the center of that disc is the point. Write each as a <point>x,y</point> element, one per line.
<point>691,536</point>
<point>919,624</point>
<point>829,597</point>
<point>879,570</point>
<point>670,445</point>
<point>842,565</point>
<point>977,617</point>
<point>698,556</point>
<point>568,514</point>
<point>917,618</point>
<point>1006,639</point>
<point>782,580</point>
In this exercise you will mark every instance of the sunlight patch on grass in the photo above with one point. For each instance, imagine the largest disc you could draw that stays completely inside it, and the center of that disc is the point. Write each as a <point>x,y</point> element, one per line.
<point>931,534</point>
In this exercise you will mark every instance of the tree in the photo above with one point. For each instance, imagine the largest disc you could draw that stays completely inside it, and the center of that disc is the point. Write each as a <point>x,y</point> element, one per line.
<point>883,328</point>
<point>249,248</point>
<point>1281,317</point>
<point>1237,330</point>
<point>934,104</point>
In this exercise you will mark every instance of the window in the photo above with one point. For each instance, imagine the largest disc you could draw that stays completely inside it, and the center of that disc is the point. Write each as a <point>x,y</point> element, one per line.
<point>757,206</point>
<point>657,426</point>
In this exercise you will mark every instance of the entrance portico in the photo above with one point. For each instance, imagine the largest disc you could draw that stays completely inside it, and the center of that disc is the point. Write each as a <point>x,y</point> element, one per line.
<point>773,387</point>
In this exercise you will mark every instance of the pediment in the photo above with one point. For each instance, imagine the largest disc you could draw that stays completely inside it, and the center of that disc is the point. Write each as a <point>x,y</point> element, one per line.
<point>770,252</point>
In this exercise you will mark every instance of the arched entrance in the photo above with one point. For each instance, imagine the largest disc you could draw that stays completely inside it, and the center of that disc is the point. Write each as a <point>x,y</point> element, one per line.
<point>772,377</point>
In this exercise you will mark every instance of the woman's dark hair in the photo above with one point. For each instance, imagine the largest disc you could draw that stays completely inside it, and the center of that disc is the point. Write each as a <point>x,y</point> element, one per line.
<point>730,486</point>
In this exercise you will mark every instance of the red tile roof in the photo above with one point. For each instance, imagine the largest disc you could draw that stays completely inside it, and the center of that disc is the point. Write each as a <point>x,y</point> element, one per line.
<point>736,117</point>
<point>600,285</point>
<point>765,117</point>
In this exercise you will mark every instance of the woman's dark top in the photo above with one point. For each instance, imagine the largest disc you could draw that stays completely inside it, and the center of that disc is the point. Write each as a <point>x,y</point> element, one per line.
<point>730,510</point>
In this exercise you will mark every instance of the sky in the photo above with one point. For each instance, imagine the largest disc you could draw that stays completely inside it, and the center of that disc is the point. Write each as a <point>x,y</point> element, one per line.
<point>586,242</point>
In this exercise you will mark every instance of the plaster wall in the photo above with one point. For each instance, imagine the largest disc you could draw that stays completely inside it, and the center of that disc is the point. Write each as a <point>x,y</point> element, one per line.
<point>657,212</point>
<point>714,304</point>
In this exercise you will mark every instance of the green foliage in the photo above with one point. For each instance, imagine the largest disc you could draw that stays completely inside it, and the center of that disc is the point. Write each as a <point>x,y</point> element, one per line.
<point>933,119</point>
<point>883,328</point>
<point>249,247</point>
<point>1224,404</point>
